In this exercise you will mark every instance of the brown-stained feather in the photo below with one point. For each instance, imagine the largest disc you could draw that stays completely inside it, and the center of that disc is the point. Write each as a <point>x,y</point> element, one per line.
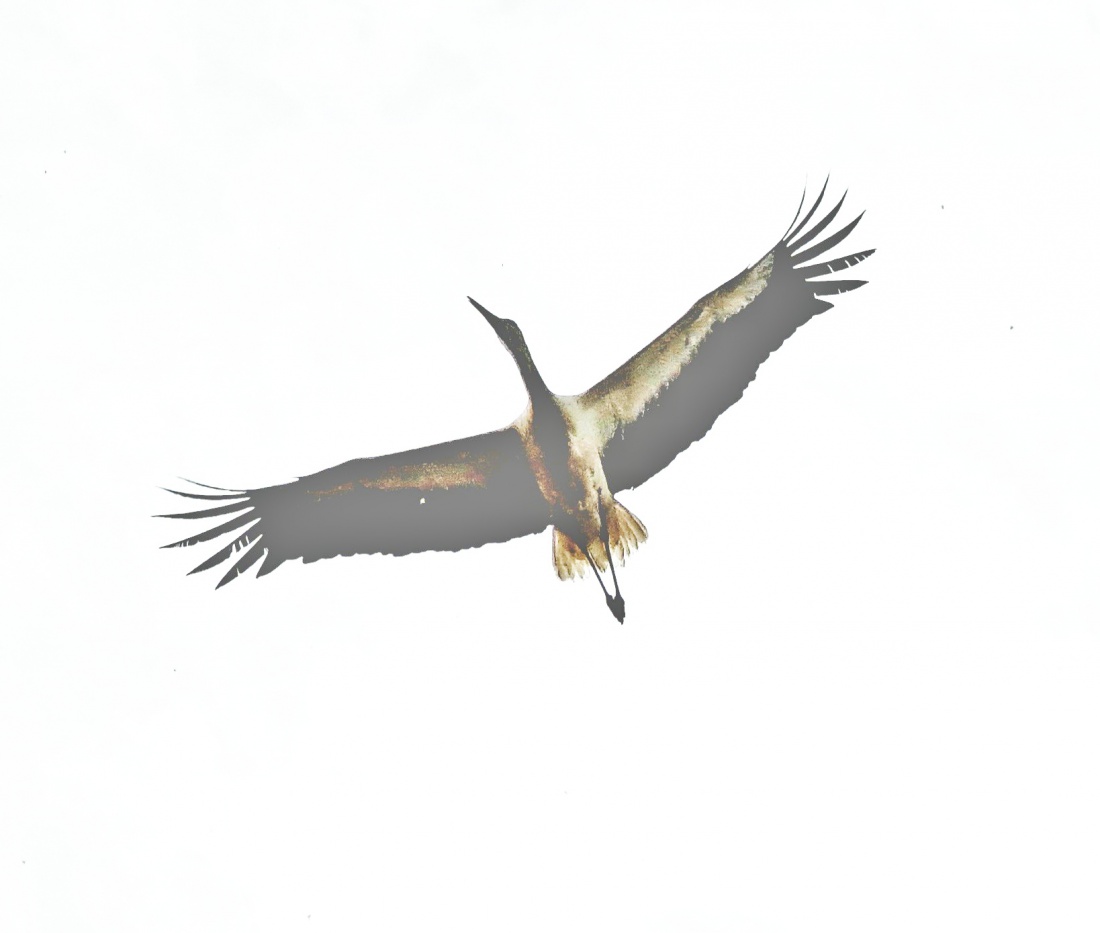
<point>422,476</point>
<point>623,396</point>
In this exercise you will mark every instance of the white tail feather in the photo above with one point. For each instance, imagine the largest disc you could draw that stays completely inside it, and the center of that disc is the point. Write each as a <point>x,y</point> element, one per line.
<point>625,532</point>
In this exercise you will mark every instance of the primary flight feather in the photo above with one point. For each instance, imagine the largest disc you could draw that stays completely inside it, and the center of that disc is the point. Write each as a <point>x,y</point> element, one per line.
<point>564,459</point>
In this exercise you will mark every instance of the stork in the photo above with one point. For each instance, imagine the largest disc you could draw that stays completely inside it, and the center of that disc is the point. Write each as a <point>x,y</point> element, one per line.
<point>563,461</point>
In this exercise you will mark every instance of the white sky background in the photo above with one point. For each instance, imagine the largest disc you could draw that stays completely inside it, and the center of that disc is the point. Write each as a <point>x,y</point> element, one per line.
<point>858,683</point>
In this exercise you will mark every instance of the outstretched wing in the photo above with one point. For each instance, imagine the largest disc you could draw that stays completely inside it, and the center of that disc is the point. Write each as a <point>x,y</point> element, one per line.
<point>667,396</point>
<point>446,497</point>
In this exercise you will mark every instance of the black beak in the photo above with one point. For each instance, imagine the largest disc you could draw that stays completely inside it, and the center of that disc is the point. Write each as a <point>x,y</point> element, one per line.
<point>493,320</point>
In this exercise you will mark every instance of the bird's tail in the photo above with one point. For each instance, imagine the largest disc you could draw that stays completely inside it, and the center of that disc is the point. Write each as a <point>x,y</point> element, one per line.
<point>569,560</point>
<point>625,532</point>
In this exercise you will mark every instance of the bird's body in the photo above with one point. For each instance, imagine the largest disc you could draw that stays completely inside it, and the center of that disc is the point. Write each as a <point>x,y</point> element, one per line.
<point>562,441</point>
<point>562,462</point>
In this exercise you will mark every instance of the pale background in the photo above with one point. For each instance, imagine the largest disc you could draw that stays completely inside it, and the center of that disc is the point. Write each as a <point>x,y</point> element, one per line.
<point>858,684</point>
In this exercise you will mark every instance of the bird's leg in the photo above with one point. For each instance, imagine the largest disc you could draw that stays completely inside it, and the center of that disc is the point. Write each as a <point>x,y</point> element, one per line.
<point>616,604</point>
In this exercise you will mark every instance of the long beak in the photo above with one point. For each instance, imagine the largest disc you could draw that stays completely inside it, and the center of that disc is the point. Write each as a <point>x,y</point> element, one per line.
<point>493,320</point>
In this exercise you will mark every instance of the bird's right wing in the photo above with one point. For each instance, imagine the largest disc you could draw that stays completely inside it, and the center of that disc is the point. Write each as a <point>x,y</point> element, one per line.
<point>447,497</point>
<point>669,394</point>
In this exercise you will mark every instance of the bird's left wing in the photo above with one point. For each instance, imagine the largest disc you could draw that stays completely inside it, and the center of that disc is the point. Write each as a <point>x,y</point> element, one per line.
<point>447,497</point>
<point>669,394</point>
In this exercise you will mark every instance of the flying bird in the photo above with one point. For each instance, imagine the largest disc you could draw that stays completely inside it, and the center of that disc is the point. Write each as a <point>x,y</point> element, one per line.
<point>564,460</point>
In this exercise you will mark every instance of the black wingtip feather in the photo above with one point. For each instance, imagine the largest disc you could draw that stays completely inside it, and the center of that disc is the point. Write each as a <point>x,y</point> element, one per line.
<point>825,245</point>
<point>817,204</point>
<point>208,513</point>
<point>250,557</point>
<point>233,546</point>
<point>203,495</point>
<point>838,287</point>
<point>801,201</point>
<point>818,227</point>
<point>207,486</point>
<point>834,265</point>
<point>210,534</point>
<point>270,564</point>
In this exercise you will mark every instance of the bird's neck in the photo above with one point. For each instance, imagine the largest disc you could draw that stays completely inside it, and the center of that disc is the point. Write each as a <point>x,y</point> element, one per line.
<point>532,378</point>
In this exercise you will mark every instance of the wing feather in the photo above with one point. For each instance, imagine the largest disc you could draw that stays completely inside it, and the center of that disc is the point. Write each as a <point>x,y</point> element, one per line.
<point>236,544</point>
<point>206,513</point>
<point>202,495</point>
<point>446,497</point>
<point>669,395</point>
<point>810,213</point>
<point>250,557</point>
<point>833,265</point>
<point>210,534</point>
<point>825,245</point>
<point>820,225</point>
<point>838,287</point>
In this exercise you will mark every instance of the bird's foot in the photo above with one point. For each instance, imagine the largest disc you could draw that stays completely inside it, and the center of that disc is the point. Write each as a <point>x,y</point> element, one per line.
<point>617,605</point>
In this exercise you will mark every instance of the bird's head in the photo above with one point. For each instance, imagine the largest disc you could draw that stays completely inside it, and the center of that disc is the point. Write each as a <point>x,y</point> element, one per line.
<point>508,331</point>
<point>512,337</point>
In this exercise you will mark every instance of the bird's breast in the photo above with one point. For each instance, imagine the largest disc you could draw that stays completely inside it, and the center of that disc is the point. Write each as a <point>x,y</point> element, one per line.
<point>566,464</point>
